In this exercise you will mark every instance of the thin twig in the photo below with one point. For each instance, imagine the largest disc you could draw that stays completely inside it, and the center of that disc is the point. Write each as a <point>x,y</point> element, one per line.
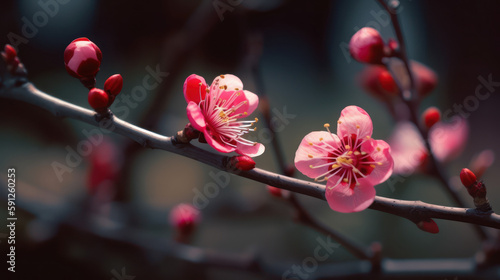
<point>412,210</point>
<point>410,101</point>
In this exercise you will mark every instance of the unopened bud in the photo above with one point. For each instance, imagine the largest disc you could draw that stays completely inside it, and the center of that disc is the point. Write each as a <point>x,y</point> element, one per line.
<point>9,54</point>
<point>467,177</point>
<point>244,163</point>
<point>82,58</point>
<point>274,191</point>
<point>387,82</point>
<point>476,189</point>
<point>184,217</point>
<point>98,99</point>
<point>367,46</point>
<point>393,45</point>
<point>114,85</point>
<point>428,225</point>
<point>431,116</point>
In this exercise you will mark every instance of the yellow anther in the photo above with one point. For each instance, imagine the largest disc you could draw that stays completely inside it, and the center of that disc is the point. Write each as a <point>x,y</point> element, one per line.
<point>321,139</point>
<point>310,156</point>
<point>310,144</point>
<point>326,125</point>
<point>311,166</point>
<point>372,165</point>
<point>379,163</point>
<point>200,84</point>
<point>335,166</point>
<point>368,137</point>
<point>245,113</point>
<point>357,126</point>
<point>363,153</point>
<point>378,149</point>
<point>347,147</point>
<point>349,153</point>
<point>345,180</point>
<point>256,119</point>
<point>357,153</point>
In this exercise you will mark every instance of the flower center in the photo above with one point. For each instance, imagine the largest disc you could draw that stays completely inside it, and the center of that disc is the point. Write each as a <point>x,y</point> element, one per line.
<point>223,121</point>
<point>347,162</point>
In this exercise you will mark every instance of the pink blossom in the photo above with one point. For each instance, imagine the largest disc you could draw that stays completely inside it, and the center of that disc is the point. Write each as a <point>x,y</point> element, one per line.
<point>351,162</point>
<point>216,112</point>
<point>408,148</point>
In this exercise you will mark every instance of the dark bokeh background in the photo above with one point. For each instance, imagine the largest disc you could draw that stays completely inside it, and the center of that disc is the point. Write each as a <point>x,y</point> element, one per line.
<point>304,69</point>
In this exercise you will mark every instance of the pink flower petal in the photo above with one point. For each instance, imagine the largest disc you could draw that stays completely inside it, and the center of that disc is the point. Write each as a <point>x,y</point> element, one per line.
<point>193,90</point>
<point>253,101</point>
<point>344,199</point>
<point>354,120</point>
<point>230,81</point>
<point>407,148</point>
<point>195,116</point>
<point>308,154</point>
<point>380,152</point>
<point>449,139</point>
<point>251,151</point>
<point>219,146</point>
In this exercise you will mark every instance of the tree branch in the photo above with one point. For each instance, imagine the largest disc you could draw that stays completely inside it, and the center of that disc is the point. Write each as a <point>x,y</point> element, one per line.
<point>412,210</point>
<point>410,101</point>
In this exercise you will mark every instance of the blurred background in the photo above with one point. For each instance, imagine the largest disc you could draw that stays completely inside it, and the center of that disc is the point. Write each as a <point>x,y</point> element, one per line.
<point>298,49</point>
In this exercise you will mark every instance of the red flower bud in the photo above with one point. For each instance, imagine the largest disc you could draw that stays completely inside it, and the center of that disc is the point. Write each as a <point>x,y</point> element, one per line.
<point>184,217</point>
<point>113,85</point>
<point>376,80</point>
<point>98,99</point>
<point>467,177</point>
<point>82,58</point>
<point>9,54</point>
<point>387,82</point>
<point>431,116</point>
<point>274,191</point>
<point>367,46</point>
<point>428,226</point>
<point>243,163</point>
<point>393,45</point>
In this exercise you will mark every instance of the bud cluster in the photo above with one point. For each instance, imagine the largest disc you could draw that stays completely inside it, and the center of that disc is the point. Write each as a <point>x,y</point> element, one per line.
<point>82,59</point>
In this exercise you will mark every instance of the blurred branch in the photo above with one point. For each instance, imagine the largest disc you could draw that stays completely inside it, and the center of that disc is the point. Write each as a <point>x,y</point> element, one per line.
<point>413,210</point>
<point>410,100</point>
<point>136,240</point>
